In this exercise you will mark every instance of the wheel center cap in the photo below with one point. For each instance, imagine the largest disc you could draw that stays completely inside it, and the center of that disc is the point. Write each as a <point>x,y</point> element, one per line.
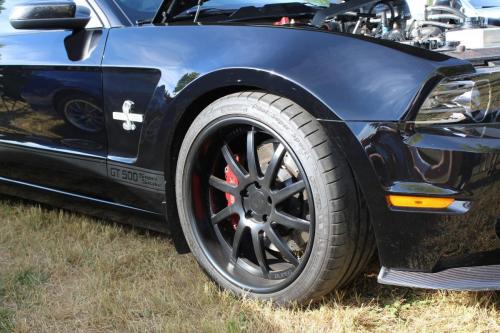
<point>257,202</point>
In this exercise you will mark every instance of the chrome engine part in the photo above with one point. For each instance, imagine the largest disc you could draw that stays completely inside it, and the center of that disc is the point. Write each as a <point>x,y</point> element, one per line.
<point>439,25</point>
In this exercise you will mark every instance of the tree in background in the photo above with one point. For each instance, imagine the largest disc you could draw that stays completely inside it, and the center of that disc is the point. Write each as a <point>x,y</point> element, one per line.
<point>185,80</point>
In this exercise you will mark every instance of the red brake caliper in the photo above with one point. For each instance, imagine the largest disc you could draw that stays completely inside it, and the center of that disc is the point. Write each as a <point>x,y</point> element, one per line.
<point>231,179</point>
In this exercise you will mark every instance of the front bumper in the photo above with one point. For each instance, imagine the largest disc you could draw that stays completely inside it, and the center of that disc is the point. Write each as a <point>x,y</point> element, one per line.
<point>462,162</point>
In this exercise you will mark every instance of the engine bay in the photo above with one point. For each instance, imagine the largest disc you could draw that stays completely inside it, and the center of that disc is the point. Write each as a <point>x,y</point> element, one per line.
<point>442,25</point>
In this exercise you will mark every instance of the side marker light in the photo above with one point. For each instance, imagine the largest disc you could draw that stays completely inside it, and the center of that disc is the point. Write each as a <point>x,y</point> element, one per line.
<point>404,201</point>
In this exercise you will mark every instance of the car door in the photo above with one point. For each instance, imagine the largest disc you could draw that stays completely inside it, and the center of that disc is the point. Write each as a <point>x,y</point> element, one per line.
<point>133,91</point>
<point>52,127</point>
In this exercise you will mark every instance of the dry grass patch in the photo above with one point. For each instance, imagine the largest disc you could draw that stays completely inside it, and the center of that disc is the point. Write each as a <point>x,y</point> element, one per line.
<point>62,272</point>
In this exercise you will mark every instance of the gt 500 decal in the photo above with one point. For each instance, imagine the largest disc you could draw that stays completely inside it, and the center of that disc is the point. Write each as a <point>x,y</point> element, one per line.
<point>138,177</point>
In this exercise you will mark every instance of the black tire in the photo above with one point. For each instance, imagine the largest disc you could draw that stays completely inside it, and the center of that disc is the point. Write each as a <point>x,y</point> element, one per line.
<point>339,240</point>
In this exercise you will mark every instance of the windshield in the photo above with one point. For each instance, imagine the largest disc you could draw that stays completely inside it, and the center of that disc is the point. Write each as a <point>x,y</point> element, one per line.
<point>138,10</point>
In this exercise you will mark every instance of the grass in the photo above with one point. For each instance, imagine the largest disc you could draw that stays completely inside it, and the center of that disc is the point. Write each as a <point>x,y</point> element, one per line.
<point>63,272</point>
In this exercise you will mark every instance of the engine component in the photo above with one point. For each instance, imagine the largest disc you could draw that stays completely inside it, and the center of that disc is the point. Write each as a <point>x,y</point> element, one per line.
<point>440,26</point>
<point>475,38</point>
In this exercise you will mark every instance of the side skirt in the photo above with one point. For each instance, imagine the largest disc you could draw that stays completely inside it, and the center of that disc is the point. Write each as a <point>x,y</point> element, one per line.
<point>87,205</point>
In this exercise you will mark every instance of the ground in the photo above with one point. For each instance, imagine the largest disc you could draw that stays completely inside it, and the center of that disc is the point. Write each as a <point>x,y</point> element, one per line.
<point>63,272</point>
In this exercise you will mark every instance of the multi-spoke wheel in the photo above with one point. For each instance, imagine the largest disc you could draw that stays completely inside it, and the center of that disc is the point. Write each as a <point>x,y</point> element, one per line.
<point>84,115</point>
<point>268,206</point>
<point>260,203</point>
<point>82,112</point>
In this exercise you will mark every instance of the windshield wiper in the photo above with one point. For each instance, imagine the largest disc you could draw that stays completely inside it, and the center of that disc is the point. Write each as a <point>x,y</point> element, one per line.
<point>206,12</point>
<point>260,17</point>
<point>143,22</point>
<point>271,11</point>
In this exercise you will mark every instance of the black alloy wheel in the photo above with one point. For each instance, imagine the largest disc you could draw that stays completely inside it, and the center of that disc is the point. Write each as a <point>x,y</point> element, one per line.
<point>247,197</point>
<point>261,224</point>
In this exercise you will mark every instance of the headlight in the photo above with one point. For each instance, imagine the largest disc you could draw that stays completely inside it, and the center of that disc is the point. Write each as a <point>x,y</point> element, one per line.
<point>467,99</point>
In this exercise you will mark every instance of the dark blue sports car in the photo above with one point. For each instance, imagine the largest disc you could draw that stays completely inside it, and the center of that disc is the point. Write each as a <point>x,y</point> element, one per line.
<point>282,142</point>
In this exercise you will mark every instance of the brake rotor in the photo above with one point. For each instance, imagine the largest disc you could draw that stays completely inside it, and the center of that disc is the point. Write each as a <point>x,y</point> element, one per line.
<point>296,240</point>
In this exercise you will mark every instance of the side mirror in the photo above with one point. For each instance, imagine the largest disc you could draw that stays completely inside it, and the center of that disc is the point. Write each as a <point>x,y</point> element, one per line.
<point>62,15</point>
